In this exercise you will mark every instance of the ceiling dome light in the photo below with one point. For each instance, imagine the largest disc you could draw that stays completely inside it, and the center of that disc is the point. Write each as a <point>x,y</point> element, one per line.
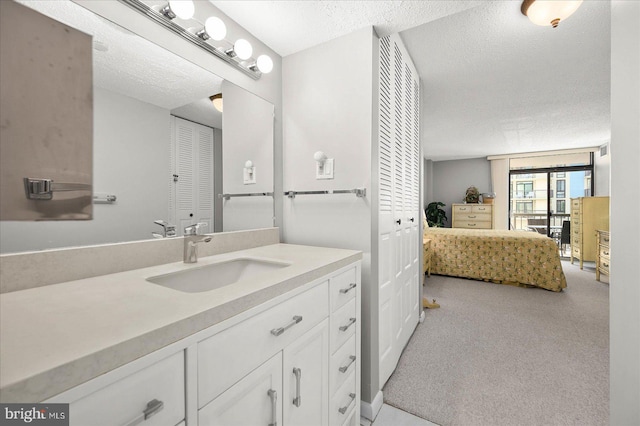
<point>265,64</point>
<point>217,101</point>
<point>215,28</point>
<point>243,49</point>
<point>549,12</point>
<point>182,9</point>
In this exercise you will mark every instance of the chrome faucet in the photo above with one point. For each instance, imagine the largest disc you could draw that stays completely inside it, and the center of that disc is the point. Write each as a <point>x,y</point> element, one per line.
<point>168,230</point>
<point>191,240</point>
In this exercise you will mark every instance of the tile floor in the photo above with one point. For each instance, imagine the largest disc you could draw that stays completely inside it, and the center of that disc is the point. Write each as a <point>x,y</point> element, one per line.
<point>391,416</point>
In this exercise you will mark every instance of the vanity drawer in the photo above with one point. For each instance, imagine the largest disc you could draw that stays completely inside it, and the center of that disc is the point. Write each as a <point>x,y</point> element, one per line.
<point>604,252</point>
<point>342,288</point>
<point>343,363</point>
<point>123,401</point>
<point>343,325</point>
<point>228,356</point>
<point>343,402</point>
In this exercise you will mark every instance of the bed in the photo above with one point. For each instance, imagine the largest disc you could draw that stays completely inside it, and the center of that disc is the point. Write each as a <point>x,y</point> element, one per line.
<point>525,259</point>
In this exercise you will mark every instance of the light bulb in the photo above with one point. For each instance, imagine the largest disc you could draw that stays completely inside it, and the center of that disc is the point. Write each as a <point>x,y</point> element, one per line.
<point>265,64</point>
<point>215,28</point>
<point>183,9</point>
<point>243,49</point>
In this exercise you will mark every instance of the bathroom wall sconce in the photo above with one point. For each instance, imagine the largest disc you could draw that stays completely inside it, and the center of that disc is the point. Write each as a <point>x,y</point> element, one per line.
<point>549,13</point>
<point>209,36</point>
<point>249,173</point>
<point>324,166</point>
<point>217,101</point>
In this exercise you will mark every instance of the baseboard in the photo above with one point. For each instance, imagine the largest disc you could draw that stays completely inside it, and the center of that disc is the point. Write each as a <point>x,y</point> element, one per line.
<point>370,410</point>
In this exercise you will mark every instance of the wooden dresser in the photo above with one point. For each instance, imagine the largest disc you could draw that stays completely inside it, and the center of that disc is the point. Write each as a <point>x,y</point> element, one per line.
<point>603,258</point>
<point>472,216</point>
<point>588,214</point>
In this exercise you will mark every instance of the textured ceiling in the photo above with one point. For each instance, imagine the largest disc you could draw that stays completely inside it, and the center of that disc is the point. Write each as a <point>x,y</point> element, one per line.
<point>132,66</point>
<point>494,83</point>
<point>290,26</point>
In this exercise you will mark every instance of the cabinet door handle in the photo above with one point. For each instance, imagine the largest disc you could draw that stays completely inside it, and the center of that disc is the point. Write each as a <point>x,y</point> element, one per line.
<point>298,399</point>
<point>274,407</point>
<point>348,289</point>
<point>344,368</point>
<point>349,324</point>
<point>411,219</point>
<point>153,407</point>
<point>278,331</point>
<point>399,221</point>
<point>344,409</point>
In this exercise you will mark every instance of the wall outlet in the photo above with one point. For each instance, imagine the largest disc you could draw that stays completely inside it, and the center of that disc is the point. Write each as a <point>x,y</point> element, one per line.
<point>324,170</point>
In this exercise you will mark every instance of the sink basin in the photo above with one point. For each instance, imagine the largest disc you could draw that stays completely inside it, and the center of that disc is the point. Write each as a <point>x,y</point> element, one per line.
<point>217,275</point>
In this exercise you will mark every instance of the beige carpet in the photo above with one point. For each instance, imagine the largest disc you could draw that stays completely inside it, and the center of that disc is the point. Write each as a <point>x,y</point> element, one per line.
<point>501,355</point>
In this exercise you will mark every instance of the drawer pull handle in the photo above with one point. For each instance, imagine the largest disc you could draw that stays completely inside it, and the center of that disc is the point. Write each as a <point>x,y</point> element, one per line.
<point>472,224</point>
<point>348,289</point>
<point>606,240</point>
<point>153,407</point>
<point>606,253</point>
<point>298,399</point>
<point>274,407</point>
<point>344,409</point>
<point>344,368</point>
<point>471,217</point>
<point>346,327</point>
<point>482,208</point>
<point>606,265</point>
<point>278,331</point>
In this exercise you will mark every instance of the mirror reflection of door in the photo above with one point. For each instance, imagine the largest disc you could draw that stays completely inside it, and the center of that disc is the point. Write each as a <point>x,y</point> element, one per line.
<point>191,178</point>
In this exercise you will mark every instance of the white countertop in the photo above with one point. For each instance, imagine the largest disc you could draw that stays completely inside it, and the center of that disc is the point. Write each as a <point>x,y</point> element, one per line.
<point>58,336</point>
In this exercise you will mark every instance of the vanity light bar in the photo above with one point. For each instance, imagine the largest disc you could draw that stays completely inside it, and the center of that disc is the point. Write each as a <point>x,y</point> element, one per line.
<point>137,5</point>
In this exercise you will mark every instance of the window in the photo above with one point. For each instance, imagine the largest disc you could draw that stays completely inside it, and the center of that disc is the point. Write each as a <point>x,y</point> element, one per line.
<point>560,174</point>
<point>524,206</point>
<point>560,206</point>
<point>560,189</point>
<point>524,190</point>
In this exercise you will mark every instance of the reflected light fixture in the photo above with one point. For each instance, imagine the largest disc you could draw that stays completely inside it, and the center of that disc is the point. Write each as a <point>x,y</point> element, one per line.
<point>213,29</point>
<point>217,101</point>
<point>549,12</point>
<point>182,9</point>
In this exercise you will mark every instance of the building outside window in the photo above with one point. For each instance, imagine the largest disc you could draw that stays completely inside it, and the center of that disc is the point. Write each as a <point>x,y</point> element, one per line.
<point>524,190</point>
<point>560,188</point>
<point>560,206</point>
<point>524,206</point>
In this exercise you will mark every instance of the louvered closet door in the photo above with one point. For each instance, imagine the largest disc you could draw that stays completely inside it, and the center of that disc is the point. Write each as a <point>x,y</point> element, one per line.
<point>191,183</point>
<point>398,209</point>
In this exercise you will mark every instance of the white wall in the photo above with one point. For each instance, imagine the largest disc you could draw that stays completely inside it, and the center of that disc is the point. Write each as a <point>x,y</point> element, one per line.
<point>625,205</point>
<point>452,178</point>
<point>131,161</point>
<point>328,106</point>
<point>248,122</point>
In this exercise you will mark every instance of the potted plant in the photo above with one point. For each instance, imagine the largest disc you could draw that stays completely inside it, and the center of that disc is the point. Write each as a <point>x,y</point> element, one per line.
<point>436,217</point>
<point>472,196</point>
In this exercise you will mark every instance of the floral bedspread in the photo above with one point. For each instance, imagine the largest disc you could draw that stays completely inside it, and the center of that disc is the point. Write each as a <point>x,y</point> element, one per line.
<point>505,257</point>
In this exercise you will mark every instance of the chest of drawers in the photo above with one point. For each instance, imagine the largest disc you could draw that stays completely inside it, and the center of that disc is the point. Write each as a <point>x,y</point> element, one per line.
<point>588,214</point>
<point>603,259</point>
<point>472,216</point>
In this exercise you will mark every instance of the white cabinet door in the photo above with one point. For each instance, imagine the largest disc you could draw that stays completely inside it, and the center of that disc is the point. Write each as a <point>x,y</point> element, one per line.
<point>306,379</point>
<point>254,400</point>
<point>399,210</point>
<point>191,183</point>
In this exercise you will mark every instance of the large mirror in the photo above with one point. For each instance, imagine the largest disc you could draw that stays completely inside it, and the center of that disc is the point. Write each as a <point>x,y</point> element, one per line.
<point>160,146</point>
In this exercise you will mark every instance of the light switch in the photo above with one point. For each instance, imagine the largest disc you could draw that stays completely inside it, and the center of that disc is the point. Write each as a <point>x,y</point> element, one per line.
<point>324,170</point>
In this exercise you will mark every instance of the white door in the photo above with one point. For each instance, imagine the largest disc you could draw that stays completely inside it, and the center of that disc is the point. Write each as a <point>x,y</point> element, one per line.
<point>191,183</point>
<point>398,242</point>
<point>306,379</point>
<point>254,400</point>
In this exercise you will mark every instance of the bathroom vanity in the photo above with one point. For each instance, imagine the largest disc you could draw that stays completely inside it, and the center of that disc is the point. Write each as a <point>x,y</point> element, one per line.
<point>280,345</point>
